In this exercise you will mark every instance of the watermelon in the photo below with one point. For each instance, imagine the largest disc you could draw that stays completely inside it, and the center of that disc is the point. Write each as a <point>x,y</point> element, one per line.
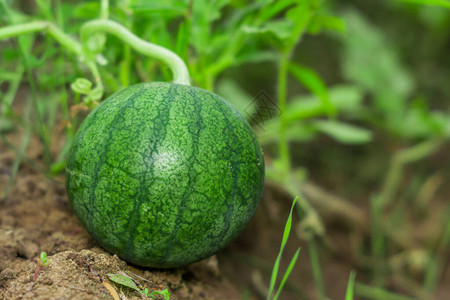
<point>164,174</point>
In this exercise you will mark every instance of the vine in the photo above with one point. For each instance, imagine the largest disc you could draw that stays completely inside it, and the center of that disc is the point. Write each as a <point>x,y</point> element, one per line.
<point>92,41</point>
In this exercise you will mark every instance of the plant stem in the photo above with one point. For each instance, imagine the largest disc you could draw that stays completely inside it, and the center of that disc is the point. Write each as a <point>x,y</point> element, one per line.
<point>175,63</point>
<point>378,239</point>
<point>55,32</point>
<point>104,9</point>
<point>96,73</point>
<point>282,91</point>
<point>286,54</point>
<point>15,30</point>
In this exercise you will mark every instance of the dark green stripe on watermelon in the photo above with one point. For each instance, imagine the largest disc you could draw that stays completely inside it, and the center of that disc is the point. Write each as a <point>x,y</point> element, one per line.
<point>165,174</point>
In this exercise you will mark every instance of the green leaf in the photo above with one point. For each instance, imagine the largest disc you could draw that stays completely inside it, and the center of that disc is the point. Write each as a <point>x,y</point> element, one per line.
<point>295,132</point>
<point>372,62</point>
<point>234,94</point>
<point>256,56</point>
<point>144,8</point>
<point>238,16</point>
<point>312,81</point>
<point>350,286</point>
<point>271,11</point>
<point>280,29</point>
<point>326,22</point>
<point>87,10</point>
<point>419,122</point>
<point>345,98</point>
<point>204,13</point>
<point>303,108</point>
<point>57,168</point>
<point>45,9</point>
<point>43,257</point>
<point>183,37</point>
<point>164,293</point>
<point>50,52</point>
<point>123,280</point>
<point>441,3</point>
<point>344,133</point>
<point>301,16</point>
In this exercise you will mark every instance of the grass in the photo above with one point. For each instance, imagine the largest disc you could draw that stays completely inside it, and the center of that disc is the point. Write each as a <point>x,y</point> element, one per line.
<point>369,292</point>
<point>276,266</point>
<point>380,103</point>
<point>351,286</point>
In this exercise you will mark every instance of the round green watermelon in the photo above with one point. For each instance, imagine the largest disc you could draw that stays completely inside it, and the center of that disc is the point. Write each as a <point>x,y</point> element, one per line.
<point>164,174</point>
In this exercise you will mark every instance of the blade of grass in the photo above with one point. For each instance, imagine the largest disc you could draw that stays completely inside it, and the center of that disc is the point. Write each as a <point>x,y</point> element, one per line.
<point>350,286</point>
<point>44,7</point>
<point>266,268</point>
<point>434,269</point>
<point>378,239</point>
<point>23,45</point>
<point>402,158</point>
<point>31,162</point>
<point>20,154</point>
<point>126,62</point>
<point>287,273</point>
<point>184,34</point>
<point>368,292</point>
<point>8,99</point>
<point>246,294</point>
<point>276,266</point>
<point>388,192</point>
<point>441,3</point>
<point>26,113</point>
<point>311,229</point>
<point>59,14</point>
<point>316,268</point>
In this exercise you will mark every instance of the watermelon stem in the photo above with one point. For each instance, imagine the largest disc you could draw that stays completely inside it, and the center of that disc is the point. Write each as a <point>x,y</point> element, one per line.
<point>92,43</point>
<point>55,32</point>
<point>61,37</point>
<point>175,63</point>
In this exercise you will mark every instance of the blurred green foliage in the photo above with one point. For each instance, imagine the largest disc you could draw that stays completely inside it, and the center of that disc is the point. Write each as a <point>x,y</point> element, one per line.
<point>369,76</point>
